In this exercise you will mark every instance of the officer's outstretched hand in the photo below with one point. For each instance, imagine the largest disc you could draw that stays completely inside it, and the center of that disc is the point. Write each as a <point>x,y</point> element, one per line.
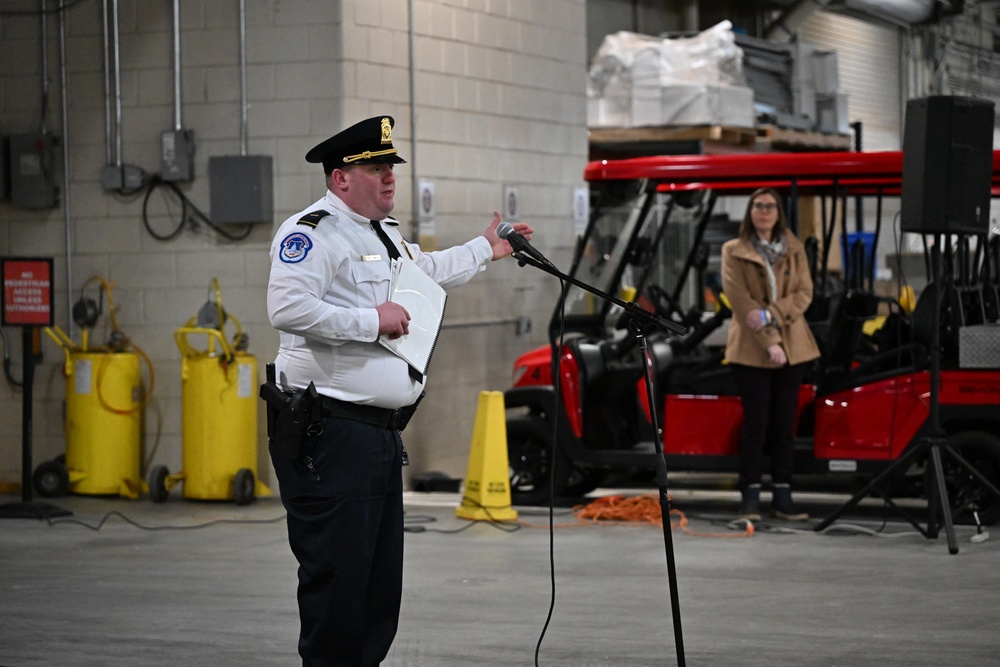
<point>393,320</point>
<point>500,247</point>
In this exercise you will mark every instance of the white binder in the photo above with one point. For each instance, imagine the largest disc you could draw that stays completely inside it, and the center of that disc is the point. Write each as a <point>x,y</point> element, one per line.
<point>424,300</point>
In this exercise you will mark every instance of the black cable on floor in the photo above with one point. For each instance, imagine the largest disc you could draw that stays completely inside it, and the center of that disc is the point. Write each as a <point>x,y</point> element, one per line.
<point>504,526</point>
<point>133,522</point>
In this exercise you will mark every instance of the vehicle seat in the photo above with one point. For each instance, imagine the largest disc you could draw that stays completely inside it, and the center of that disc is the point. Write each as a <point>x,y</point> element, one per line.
<point>844,334</point>
<point>950,321</point>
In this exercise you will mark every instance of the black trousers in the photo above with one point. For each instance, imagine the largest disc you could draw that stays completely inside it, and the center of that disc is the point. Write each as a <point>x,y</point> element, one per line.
<point>770,399</point>
<point>344,498</point>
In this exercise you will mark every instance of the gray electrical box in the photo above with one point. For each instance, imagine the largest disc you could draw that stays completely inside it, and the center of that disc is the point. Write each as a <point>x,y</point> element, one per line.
<point>241,189</point>
<point>123,178</point>
<point>177,155</point>
<point>32,171</point>
<point>4,168</point>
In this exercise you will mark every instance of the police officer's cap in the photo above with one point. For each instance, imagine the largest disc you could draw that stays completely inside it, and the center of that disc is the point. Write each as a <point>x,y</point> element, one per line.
<point>367,142</point>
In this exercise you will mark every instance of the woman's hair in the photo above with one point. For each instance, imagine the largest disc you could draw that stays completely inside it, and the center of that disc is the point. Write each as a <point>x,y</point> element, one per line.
<point>746,227</point>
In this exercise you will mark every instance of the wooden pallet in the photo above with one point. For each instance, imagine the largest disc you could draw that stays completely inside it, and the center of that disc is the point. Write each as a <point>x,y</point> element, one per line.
<point>731,135</point>
<point>624,142</point>
<point>772,137</point>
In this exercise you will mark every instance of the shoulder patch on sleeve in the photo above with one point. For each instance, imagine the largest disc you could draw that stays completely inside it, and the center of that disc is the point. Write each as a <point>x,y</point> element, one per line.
<point>295,247</point>
<point>312,218</point>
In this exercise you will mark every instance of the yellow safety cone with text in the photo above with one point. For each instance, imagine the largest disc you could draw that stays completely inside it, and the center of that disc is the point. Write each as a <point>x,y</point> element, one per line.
<point>487,482</point>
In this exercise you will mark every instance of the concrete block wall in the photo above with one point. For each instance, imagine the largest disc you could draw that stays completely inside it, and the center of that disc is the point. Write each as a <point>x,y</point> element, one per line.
<point>499,99</point>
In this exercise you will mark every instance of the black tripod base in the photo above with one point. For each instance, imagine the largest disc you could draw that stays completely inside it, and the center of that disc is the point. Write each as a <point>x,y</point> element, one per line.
<point>938,504</point>
<point>31,510</point>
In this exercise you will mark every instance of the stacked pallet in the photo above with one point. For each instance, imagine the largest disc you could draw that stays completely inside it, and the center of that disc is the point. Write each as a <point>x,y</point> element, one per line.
<point>610,143</point>
<point>771,137</point>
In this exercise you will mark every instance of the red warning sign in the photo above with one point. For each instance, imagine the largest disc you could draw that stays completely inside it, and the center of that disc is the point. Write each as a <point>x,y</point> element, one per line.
<point>27,291</point>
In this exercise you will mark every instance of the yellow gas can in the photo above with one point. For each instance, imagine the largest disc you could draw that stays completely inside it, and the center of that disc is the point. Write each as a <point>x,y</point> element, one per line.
<point>219,434</point>
<point>103,423</point>
<point>104,401</point>
<point>219,405</point>
<point>219,423</point>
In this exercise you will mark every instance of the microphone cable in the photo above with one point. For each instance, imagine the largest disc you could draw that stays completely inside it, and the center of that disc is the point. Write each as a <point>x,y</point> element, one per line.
<point>557,406</point>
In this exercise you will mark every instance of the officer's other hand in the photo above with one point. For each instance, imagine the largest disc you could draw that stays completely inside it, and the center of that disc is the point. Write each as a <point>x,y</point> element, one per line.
<point>393,320</point>
<point>501,248</point>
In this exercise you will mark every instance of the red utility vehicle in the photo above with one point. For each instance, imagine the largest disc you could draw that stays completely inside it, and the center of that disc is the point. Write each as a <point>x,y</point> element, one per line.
<point>655,231</point>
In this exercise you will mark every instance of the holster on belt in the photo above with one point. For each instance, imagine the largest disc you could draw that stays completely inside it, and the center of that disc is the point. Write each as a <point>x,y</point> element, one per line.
<point>291,415</point>
<point>405,413</point>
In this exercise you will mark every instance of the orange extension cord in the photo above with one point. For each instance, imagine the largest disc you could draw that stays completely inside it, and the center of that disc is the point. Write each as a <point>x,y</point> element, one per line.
<point>645,509</point>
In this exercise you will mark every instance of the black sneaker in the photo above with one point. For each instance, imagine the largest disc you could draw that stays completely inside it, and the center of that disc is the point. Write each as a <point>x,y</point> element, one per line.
<point>782,506</point>
<point>750,509</point>
<point>789,514</point>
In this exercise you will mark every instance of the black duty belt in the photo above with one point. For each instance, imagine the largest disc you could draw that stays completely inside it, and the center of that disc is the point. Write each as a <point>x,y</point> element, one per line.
<point>369,414</point>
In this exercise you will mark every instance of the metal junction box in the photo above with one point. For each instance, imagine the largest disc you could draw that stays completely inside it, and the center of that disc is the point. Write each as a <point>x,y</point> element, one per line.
<point>177,155</point>
<point>32,171</point>
<point>241,189</point>
<point>4,168</point>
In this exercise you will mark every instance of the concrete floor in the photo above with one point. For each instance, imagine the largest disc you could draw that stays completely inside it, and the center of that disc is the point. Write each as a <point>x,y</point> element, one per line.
<point>200,583</point>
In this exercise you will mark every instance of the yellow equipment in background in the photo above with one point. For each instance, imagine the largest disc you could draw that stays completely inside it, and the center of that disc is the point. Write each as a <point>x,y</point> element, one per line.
<point>104,401</point>
<point>219,407</point>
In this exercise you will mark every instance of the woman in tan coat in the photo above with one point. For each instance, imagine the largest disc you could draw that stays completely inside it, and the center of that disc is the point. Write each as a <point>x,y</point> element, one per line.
<point>766,278</point>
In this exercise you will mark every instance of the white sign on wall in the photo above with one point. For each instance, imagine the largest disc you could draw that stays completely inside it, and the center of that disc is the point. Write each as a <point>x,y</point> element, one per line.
<point>581,210</point>
<point>511,204</point>
<point>426,201</point>
<point>425,206</point>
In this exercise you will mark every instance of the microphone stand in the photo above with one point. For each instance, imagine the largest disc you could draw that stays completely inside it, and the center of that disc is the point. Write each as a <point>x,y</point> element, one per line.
<point>639,321</point>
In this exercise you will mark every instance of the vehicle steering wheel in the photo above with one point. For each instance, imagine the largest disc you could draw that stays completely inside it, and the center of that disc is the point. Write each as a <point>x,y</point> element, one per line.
<point>663,303</point>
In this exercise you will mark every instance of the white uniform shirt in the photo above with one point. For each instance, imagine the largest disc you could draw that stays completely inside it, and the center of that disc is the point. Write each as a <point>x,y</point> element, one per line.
<point>324,286</point>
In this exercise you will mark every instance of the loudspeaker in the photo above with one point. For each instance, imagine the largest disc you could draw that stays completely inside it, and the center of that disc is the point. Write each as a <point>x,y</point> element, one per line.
<point>947,165</point>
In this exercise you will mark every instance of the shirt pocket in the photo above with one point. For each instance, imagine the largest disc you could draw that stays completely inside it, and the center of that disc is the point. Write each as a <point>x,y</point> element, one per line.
<point>372,282</point>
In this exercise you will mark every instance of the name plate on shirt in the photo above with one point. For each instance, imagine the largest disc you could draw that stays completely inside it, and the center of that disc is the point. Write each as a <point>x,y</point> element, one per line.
<point>371,258</point>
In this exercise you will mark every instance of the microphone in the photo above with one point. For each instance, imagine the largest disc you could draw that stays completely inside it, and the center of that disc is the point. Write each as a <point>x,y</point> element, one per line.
<point>519,243</point>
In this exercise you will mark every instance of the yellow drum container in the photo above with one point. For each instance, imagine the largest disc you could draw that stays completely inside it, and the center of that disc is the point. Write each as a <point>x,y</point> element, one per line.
<point>219,434</point>
<point>103,423</point>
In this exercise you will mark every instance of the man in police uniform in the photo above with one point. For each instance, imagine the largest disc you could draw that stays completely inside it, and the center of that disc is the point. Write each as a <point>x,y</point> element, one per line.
<point>328,297</point>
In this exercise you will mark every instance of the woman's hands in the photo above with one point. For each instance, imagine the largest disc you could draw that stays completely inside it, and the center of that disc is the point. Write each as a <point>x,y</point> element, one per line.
<point>777,354</point>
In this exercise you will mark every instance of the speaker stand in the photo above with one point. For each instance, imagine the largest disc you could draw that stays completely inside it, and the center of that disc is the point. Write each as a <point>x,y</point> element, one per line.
<point>929,445</point>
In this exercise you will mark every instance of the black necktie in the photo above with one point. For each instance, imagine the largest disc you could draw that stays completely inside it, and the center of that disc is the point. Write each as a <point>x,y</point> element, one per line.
<point>390,247</point>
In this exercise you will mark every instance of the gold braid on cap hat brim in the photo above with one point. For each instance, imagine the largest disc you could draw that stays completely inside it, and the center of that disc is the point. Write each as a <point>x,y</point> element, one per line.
<point>367,155</point>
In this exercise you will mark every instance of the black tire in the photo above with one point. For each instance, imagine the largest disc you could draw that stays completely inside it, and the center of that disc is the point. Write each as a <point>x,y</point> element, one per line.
<point>157,481</point>
<point>51,479</point>
<point>966,494</point>
<point>243,487</point>
<point>529,457</point>
<point>583,480</point>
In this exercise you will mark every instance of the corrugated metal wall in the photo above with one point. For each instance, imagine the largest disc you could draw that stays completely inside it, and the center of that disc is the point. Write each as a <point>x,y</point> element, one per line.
<point>868,63</point>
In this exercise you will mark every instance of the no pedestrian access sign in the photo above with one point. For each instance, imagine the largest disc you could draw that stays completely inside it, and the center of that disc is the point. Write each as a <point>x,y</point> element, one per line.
<point>27,291</point>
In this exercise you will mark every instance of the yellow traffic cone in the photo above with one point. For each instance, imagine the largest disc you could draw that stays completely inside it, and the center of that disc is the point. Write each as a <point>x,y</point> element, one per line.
<point>487,482</point>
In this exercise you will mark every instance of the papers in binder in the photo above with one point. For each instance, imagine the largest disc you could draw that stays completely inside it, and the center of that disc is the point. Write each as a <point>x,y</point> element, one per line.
<point>424,300</point>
